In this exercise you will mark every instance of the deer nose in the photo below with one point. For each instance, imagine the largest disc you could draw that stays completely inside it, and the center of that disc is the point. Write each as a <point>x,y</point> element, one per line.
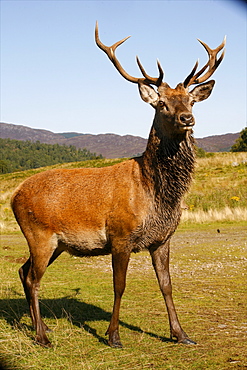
<point>186,119</point>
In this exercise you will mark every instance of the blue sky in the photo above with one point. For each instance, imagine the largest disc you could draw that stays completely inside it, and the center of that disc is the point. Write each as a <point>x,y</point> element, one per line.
<point>54,77</point>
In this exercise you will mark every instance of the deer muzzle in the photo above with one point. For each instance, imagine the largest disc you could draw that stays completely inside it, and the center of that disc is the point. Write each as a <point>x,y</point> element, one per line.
<point>186,121</point>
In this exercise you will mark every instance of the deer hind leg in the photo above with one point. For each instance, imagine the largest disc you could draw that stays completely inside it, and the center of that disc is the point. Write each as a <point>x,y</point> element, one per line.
<point>160,259</point>
<point>41,253</point>
<point>119,264</point>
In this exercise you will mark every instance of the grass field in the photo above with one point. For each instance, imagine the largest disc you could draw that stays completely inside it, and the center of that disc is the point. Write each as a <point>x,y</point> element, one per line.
<point>208,269</point>
<point>219,190</point>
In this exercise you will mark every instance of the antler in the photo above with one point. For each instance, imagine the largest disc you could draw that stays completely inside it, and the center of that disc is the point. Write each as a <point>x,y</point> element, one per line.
<point>212,65</point>
<point>110,52</point>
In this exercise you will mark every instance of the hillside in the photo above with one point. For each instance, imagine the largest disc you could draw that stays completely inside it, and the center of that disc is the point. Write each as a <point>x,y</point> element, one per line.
<point>19,155</point>
<point>109,145</point>
<point>217,143</point>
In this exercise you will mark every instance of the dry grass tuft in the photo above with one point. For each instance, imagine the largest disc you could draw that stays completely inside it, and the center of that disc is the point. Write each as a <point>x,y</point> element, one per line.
<point>223,160</point>
<point>212,215</point>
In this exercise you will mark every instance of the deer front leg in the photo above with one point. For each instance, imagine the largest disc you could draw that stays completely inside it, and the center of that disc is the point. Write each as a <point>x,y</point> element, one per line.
<point>30,282</point>
<point>160,259</point>
<point>119,264</point>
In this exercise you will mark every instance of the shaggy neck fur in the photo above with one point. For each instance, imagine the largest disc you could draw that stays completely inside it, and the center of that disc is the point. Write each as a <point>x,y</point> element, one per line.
<point>168,165</point>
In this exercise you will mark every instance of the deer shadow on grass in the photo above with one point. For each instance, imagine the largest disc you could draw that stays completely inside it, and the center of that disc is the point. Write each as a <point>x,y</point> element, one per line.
<point>77,312</point>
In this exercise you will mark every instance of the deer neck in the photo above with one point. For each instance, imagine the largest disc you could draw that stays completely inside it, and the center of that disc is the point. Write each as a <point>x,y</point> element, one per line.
<point>168,165</point>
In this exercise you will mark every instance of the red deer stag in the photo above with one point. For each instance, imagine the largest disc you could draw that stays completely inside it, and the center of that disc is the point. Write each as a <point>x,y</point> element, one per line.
<point>125,208</point>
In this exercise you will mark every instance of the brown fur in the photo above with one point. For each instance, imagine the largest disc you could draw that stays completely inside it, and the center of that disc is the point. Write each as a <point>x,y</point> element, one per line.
<point>120,209</point>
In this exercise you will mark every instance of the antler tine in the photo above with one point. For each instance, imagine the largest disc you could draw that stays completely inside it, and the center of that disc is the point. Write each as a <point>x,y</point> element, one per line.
<point>212,65</point>
<point>148,79</point>
<point>110,52</point>
<point>187,80</point>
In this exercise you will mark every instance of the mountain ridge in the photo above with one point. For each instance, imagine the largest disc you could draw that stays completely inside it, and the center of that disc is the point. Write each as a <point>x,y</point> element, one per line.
<point>109,145</point>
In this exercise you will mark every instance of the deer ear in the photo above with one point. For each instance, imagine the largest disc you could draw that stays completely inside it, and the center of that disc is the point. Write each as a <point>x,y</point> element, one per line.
<point>148,94</point>
<point>202,92</point>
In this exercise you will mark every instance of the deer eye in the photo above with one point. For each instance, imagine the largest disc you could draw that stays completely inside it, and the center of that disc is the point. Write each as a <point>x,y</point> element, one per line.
<point>192,103</point>
<point>163,105</point>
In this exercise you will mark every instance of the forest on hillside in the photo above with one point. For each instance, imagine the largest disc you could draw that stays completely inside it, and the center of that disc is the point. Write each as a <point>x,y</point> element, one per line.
<point>19,155</point>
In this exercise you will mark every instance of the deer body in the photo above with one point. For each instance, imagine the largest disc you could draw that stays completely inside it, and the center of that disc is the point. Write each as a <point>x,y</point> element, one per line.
<point>80,206</point>
<point>120,209</point>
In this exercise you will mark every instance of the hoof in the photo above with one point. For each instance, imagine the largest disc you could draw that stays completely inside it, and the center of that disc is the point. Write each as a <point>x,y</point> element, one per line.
<point>45,343</point>
<point>114,339</point>
<point>187,341</point>
<point>116,344</point>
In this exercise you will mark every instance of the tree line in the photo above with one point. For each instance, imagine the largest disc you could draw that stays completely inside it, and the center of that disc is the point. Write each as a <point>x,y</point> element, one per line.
<point>19,155</point>
<point>241,143</point>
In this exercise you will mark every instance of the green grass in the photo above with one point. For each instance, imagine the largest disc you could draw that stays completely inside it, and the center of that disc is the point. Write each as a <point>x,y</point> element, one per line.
<point>208,271</point>
<point>220,181</point>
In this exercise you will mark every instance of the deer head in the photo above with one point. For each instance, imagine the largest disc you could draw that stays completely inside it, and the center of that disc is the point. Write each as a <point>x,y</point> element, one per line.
<point>173,106</point>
